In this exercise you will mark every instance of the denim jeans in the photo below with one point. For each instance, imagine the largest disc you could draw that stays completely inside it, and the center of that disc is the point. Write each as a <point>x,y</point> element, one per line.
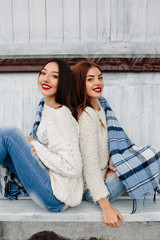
<point>15,152</point>
<point>115,187</point>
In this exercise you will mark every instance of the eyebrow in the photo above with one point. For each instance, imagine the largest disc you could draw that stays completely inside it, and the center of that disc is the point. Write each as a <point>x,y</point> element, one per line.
<point>51,71</point>
<point>93,75</point>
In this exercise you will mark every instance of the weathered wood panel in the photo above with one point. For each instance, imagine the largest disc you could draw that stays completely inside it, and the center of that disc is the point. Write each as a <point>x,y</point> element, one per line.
<point>20,21</point>
<point>37,14</point>
<point>54,21</point>
<point>79,27</point>
<point>88,10</point>
<point>6,22</point>
<point>71,20</point>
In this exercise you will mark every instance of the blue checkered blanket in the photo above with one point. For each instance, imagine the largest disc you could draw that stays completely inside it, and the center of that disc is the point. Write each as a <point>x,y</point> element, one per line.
<point>137,167</point>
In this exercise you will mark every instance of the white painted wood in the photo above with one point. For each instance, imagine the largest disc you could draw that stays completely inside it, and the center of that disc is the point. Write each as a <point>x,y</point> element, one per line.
<point>9,107</point>
<point>89,12</point>
<point>127,20</point>
<point>6,22</point>
<point>104,17</point>
<point>21,21</point>
<point>120,20</point>
<point>139,21</point>
<point>54,21</point>
<point>114,15</point>
<point>153,20</point>
<point>2,106</point>
<point>71,20</point>
<point>37,13</point>
<point>113,49</point>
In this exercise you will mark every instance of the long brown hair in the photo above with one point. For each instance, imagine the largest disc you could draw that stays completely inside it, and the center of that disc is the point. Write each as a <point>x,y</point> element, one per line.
<point>79,76</point>
<point>65,84</point>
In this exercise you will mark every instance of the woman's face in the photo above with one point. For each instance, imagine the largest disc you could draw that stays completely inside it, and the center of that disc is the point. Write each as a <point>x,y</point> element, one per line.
<point>94,83</point>
<point>48,79</point>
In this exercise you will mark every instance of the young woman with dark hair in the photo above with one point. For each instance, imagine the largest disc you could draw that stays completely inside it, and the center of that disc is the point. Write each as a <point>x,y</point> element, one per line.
<point>104,143</point>
<point>48,162</point>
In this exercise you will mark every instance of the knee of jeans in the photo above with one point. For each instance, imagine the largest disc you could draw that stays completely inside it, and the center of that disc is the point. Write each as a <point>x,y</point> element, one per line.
<point>10,131</point>
<point>111,177</point>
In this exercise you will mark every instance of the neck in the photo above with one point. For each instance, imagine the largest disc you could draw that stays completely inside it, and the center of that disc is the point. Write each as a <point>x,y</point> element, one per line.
<point>95,104</point>
<point>51,102</point>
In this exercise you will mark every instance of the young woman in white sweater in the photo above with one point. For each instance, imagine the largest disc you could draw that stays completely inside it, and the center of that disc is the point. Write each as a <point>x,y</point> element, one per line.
<point>101,185</point>
<point>48,162</point>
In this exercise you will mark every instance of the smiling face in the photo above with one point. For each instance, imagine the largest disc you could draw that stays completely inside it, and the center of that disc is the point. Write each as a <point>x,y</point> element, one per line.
<point>48,80</point>
<point>94,83</point>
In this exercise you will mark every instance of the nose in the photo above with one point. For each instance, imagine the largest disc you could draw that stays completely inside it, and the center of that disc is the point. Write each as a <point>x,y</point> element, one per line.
<point>45,78</point>
<point>98,81</point>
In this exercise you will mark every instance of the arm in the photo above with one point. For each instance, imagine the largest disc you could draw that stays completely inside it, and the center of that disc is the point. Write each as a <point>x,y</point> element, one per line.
<point>92,171</point>
<point>110,215</point>
<point>89,150</point>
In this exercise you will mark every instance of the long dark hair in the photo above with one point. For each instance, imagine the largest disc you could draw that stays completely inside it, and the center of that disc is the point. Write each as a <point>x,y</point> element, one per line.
<point>81,100</point>
<point>65,84</point>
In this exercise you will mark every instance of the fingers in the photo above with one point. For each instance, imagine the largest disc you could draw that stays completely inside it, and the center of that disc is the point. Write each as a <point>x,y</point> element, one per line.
<point>112,168</point>
<point>120,217</point>
<point>113,224</point>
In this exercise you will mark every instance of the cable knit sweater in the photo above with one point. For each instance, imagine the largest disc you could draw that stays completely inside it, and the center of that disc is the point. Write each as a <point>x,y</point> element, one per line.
<point>94,151</point>
<point>58,149</point>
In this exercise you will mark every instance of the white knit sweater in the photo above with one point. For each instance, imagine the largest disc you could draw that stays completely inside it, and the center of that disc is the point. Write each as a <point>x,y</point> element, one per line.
<point>59,151</point>
<point>94,151</point>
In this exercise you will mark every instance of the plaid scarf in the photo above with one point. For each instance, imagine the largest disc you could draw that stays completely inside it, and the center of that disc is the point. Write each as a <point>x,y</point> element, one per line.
<point>137,167</point>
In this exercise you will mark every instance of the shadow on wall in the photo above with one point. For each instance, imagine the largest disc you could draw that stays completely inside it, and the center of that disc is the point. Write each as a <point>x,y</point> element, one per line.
<point>50,235</point>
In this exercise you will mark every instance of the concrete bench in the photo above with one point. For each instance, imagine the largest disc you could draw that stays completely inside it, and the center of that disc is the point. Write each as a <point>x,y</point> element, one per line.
<point>22,218</point>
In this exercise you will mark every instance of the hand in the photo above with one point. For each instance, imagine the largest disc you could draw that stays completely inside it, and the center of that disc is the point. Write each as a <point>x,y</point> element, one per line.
<point>30,138</point>
<point>111,166</point>
<point>111,171</point>
<point>111,216</point>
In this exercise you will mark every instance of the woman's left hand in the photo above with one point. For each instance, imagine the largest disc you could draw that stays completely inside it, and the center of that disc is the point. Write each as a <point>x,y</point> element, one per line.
<point>30,138</point>
<point>111,166</point>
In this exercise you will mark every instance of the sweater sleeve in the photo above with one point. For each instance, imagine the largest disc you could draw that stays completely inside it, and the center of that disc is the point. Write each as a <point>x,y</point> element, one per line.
<point>89,151</point>
<point>62,154</point>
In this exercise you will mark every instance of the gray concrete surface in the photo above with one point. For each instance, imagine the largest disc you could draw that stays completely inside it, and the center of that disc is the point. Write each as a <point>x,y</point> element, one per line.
<point>128,231</point>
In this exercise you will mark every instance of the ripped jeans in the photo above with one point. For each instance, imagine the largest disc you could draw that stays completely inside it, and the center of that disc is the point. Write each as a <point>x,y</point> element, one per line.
<point>15,152</point>
<point>115,187</point>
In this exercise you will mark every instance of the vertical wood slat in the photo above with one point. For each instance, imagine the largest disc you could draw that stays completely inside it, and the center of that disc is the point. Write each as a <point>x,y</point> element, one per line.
<point>2,106</point>
<point>127,20</point>
<point>153,21</point>
<point>113,9</point>
<point>18,117</point>
<point>6,23</point>
<point>104,20</point>
<point>37,20</point>
<point>54,18</point>
<point>88,9</point>
<point>71,20</point>
<point>9,107</point>
<point>20,21</point>
<point>138,21</point>
<point>155,116</point>
<point>120,20</point>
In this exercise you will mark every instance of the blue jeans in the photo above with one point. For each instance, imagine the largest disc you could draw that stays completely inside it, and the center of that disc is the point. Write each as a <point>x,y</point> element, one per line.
<point>15,152</point>
<point>116,188</point>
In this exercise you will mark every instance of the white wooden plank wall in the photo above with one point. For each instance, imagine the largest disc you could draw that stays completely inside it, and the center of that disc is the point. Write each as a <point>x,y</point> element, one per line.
<point>133,97</point>
<point>45,21</point>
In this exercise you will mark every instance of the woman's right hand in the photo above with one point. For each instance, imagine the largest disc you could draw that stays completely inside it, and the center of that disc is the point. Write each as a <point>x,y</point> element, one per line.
<point>111,216</point>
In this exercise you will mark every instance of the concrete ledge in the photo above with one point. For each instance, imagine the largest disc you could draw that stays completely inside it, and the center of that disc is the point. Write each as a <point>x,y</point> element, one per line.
<point>28,211</point>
